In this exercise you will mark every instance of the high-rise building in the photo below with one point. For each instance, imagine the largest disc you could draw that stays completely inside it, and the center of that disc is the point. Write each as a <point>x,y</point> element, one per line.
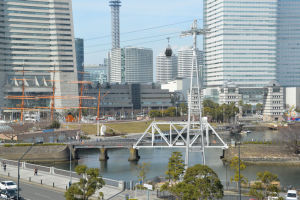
<point>131,65</point>
<point>95,73</point>
<point>252,43</point>
<point>79,49</point>
<point>166,66</point>
<point>288,43</point>
<point>185,64</point>
<point>37,36</point>
<point>115,22</point>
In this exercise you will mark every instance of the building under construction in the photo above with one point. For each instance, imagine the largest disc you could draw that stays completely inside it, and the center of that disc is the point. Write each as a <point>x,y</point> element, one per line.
<point>36,51</point>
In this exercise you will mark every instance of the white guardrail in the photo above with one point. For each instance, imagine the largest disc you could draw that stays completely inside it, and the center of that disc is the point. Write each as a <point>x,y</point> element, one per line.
<point>60,172</point>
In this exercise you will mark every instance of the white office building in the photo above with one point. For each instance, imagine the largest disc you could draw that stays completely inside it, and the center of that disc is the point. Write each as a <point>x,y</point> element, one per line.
<point>166,67</point>
<point>38,36</point>
<point>185,60</point>
<point>252,43</point>
<point>131,65</point>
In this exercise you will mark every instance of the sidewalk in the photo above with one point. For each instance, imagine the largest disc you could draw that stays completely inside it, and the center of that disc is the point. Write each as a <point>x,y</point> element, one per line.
<point>59,182</point>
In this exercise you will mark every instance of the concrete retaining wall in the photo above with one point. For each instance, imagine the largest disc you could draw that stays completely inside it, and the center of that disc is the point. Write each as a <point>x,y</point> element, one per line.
<point>37,153</point>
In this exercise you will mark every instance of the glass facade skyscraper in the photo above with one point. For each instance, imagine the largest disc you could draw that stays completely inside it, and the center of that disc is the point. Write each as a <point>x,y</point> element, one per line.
<point>252,43</point>
<point>37,36</point>
<point>79,48</point>
<point>288,45</point>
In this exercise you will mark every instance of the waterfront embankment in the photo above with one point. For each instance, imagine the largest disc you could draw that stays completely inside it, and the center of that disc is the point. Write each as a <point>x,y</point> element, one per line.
<point>39,153</point>
<point>263,154</point>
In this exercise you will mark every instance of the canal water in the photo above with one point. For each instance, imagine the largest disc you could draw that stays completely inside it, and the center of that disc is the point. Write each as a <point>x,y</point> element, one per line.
<point>118,167</point>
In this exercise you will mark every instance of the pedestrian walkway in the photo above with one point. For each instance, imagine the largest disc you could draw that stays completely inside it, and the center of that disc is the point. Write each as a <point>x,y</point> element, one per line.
<point>53,178</point>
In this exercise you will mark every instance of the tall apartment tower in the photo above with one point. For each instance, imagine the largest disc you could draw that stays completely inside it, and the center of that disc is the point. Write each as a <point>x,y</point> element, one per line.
<point>79,49</point>
<point>166,66</point>
<point>252,44</point>
<point>37,36</point>
<point>185,56</point>
<point>131,65</point>
<point>115,22</point>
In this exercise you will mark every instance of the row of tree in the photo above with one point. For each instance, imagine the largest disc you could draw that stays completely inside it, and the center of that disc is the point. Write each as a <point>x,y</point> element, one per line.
<point>219,113</point>
<point>194,183</point>
<point>170,112</point>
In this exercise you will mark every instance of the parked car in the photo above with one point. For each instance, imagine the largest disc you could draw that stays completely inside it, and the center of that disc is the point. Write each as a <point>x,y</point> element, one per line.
<point>291,195</point>
<point>9,194</point>
<point>8,185</point>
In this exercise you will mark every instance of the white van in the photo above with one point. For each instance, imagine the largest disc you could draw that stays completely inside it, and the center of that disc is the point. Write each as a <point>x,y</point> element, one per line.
<point>291,195</point>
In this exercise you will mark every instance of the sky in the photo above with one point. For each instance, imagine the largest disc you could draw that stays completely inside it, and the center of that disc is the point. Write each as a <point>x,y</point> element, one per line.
<point>92,22</point>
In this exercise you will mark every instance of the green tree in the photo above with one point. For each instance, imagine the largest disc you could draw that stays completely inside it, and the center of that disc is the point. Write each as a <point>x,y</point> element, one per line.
<point>199,182</point>
<point>154,113</point>
<point>55,124</point>
<point>234,165</point>
<point>170,112</point>
<point>218,112</point>
<point>268,179</point>
<point>259,108</point>
<point>264,186</point>
<point>175,167</point>
<point>183,108</point>
<point>256,191</point>
<point>87,185</point>
<point>142,171</point>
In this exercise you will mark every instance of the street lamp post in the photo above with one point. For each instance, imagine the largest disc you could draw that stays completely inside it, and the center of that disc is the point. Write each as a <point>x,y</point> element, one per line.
<point>70,167</point>
<point>240,192</point>
<point>18,189</point>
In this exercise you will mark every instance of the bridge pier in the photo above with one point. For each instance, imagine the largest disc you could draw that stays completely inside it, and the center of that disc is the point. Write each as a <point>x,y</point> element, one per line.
<point>103,154</point>
<point>73,152</point>
<point>134,155</point>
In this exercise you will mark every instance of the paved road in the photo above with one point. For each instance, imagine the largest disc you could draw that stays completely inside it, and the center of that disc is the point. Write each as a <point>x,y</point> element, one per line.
<point>36,192</point>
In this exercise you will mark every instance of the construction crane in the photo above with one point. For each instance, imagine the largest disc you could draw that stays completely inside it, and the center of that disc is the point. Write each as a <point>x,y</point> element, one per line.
<point>99,102</point>
<point>23,97</point>
<point>53,97</point>
<point>81,95</point>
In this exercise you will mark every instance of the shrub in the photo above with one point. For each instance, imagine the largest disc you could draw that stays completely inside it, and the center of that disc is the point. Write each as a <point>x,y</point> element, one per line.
<point>55,124</point>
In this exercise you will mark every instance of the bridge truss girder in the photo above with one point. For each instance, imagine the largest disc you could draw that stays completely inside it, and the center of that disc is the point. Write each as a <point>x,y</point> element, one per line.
<point>175,137</point>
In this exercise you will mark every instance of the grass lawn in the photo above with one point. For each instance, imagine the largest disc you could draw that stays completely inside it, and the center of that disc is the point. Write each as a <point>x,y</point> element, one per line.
<point>118,128</point>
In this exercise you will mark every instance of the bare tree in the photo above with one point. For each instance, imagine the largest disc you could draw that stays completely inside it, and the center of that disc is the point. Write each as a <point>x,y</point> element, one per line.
<point>290,137</point>
<point>8,132</point>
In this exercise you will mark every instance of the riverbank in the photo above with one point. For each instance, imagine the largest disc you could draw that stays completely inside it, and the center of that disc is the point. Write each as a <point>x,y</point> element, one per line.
<point>273,154</point>
<point>40,154</point>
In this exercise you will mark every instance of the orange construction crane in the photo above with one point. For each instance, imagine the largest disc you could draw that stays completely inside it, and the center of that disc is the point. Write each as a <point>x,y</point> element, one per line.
<point>99,102</point>
<point>81,95</point>
<point>23,97</point>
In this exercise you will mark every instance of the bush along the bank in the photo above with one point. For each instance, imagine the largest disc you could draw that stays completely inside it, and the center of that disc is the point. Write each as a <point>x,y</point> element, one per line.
<point>258,142</point>
<point>55,125</point>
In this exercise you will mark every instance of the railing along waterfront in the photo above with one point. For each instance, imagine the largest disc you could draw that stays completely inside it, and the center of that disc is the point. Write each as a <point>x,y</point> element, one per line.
<point>59,172</point>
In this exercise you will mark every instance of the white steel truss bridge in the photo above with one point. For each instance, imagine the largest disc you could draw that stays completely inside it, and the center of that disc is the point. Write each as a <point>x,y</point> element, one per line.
<point>174,135</point>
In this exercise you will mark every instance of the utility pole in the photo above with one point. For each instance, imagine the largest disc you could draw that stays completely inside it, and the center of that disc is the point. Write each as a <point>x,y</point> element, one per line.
<point>194,71</point>
<point>240,192</point>
<point>23,95</point>
<point>18,187</point>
